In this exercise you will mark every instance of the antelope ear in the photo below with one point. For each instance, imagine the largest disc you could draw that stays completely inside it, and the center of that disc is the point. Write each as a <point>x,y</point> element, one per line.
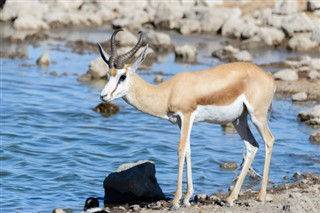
<point>103,54</point>
<point>140,59</point>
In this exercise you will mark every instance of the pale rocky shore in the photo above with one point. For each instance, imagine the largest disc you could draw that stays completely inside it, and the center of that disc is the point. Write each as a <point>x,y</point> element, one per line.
<point>301,195</point>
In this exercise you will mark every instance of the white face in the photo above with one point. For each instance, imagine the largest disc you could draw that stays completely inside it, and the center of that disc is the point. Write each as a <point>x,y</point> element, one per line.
<point>117,85</point>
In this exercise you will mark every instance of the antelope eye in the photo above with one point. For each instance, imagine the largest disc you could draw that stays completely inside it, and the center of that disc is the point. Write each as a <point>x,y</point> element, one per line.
<point>122,78</point>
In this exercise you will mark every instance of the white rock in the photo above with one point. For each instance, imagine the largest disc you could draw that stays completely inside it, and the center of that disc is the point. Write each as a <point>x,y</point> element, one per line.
<point>43,60</point>
<point>315,63</point>
<point>286,75</point>
<point>301,96</point>
<point>275,20</point>
<point>189,26</point>
<point>67,5</point>
<point>271,35</point>
<point>57,15</point>
<point>186,52</point>
<point>158,39</point>
<point>301,43</point>
<point>313,5</point>
<point>214,23</point>
<point>127,166</point>
<point>158,79</point>
<point>297,23</point>
<point>286,7</point>
<point>126,38</point>
<point>234,25</point>
<point>313,75</point>
<point>243,56</point>
<point>98,68</point>
<point>30,23</point>
<point>210,3</point>
<point>168,14</point>
<point>316,31</point>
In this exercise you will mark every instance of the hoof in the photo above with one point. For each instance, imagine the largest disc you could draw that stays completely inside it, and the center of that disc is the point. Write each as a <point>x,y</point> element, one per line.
<point>229,202</point>
<point>186,204</point>
<point>174,207</point>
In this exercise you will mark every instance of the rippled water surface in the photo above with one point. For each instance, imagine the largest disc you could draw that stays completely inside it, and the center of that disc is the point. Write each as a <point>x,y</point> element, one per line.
<point>56,151</point>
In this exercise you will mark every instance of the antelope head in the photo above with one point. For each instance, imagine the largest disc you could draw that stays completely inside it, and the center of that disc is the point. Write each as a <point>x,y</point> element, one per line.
<point>120,73</point>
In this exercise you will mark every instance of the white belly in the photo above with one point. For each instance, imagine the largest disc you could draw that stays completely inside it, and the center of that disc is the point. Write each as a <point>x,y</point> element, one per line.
<point>220,114</point>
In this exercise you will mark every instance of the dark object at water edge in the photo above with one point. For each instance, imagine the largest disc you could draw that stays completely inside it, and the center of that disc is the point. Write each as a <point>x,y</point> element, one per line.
<point>134,185</point>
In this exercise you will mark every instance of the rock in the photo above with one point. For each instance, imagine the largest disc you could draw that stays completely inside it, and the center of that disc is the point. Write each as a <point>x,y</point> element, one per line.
<point>97,70</point>
<point>286,7</point>
<point>189,26</point>
<point>230,188</point>
<point>269,198</point>
<point>158,40</point>
<point>228,165</point>
<point>168,15</point>
<point>186,53</point>
<point>200,198</point>
<point>229,53</point>
<point>132,20</point>
<point>107,109</point>
<point>315,36</point>
<point>158,79</point>
<point>313,75</point>
<point>133,183</point>
<point>135,208</point>
<point>315,138</point>
<point>313,5</point>
<point>58,211</point>
<point>301,43</point>
<point>300,96</point>
<point>53,73</point>
<point>311,116</point>
<point>243,56</point>
<point>29,23</point>
<point>234,25</point>
<point>211,23</point>
<point>286,75</point>
<point>286,178</point>
<point>297,23</point>
<point>126,38</point>
<point>43,60</point>
<point>271,35</point>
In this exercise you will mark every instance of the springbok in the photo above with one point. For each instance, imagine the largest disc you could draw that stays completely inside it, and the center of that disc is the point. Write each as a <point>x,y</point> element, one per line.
<point>222,94</point>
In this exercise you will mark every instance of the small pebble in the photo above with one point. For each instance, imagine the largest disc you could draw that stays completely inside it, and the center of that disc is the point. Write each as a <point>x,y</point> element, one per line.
<point>200,197</point>
<point>286,177</point>
<point>269,198</point>
<point>158,79</point>
<point>43,60</point>
<point>53,73</point>
<point>228,165</point>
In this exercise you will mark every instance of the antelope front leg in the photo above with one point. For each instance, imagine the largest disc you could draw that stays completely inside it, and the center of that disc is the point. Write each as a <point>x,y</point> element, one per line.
<point>184,146</point>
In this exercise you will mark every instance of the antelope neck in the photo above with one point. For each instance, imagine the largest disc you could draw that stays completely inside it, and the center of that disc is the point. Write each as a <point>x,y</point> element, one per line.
<point>150,99</point>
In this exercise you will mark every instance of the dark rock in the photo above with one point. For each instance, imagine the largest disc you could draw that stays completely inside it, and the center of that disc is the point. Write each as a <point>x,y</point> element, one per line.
<point>200,198</point>
<point>135,184</point>
<point>315,138</point>
<point>107,108</point>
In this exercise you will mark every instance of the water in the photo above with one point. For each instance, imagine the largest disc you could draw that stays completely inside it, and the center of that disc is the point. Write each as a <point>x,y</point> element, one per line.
<point>56,151</point>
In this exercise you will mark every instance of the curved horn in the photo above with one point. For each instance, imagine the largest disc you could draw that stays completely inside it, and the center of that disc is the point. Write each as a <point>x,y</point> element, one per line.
<point>113,48</point>
<point>103,53</point>
<point>121,59</point>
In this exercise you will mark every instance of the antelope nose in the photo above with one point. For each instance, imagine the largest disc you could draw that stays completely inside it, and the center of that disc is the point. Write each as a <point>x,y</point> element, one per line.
<point>102,96</point>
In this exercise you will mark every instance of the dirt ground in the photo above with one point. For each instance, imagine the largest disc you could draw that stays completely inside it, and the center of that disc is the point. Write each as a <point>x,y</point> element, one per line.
<point>296,197</point>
